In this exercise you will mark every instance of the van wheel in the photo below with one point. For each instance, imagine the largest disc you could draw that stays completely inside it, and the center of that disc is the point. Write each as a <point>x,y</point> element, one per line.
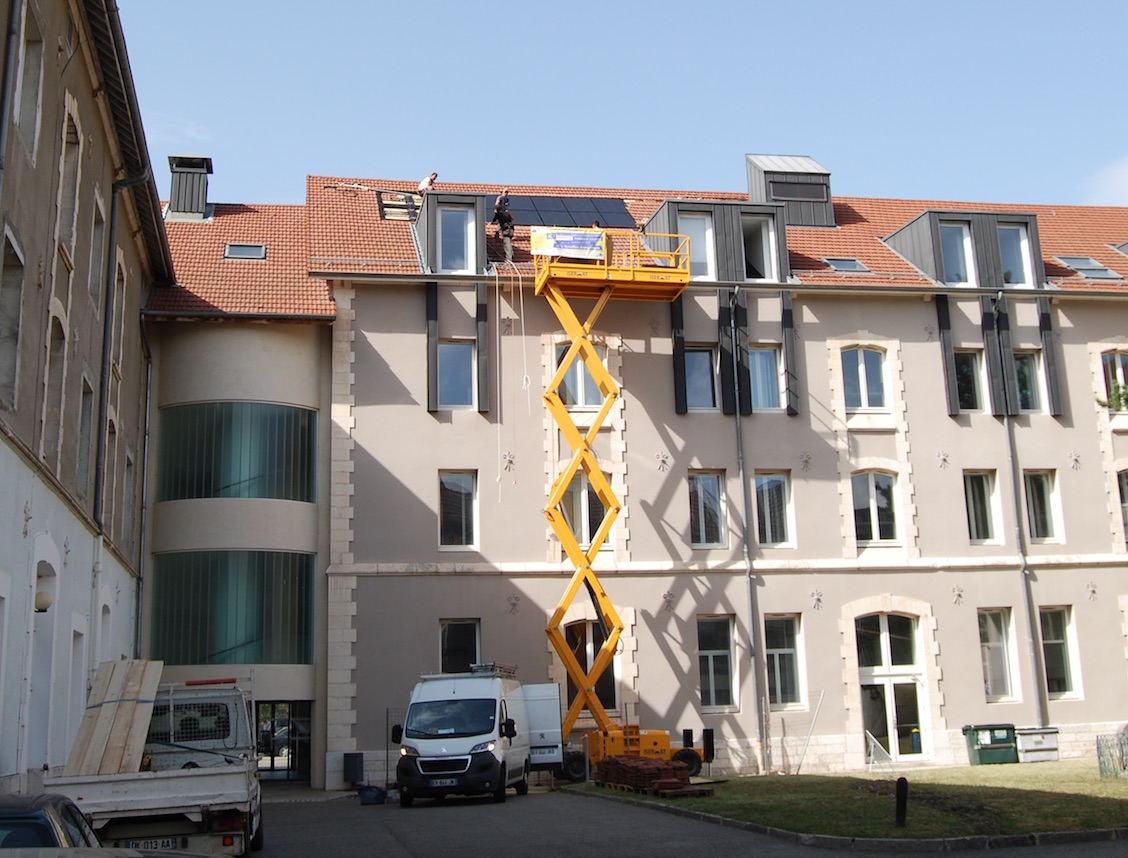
<point>405,799</point>
<point>575,766</point>
<point>499,793</point>
<point>690,758</point>
<point>259,839</point>
<point>523,784</point>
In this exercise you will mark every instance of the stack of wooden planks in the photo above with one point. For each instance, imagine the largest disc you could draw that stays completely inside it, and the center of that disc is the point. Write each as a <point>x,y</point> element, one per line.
<point>111,737</point>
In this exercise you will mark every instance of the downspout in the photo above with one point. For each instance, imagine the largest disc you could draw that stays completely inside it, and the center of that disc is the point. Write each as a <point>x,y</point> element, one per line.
<point>1032,617</point>
<point>7,82</point>
<point>139,593</point>
<point>763,754</point>
<point>107,345</point>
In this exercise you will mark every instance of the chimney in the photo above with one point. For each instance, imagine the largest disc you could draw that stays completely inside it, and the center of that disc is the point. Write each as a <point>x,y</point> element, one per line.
<point>800,182</point>
<point>188,199</point>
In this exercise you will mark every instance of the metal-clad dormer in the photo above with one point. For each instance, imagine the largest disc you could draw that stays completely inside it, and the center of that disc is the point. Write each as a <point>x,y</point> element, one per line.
<point>801,183</point>
<point>188,199</point>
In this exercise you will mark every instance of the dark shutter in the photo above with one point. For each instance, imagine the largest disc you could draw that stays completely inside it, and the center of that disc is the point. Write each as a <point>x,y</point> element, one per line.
<point>483,337</point>
<point>724,337</point>
<point>791,378</point>
<point>432,345</point>
<point>1049,357</point>
<point>1006,349</point>
<point>677,327</point>
<point>743,374</point>
<point>995,387</point>
<point>948,354</point>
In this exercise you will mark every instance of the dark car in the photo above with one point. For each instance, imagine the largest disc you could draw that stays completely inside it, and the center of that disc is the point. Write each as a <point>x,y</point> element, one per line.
<point>43,820</point>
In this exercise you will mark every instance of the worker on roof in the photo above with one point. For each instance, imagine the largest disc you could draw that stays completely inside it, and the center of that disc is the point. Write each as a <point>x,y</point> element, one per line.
<point>428,184</point>
<point>502,216</point>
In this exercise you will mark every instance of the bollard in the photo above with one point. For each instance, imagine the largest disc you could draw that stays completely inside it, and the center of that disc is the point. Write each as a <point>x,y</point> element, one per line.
<point>902,800</point>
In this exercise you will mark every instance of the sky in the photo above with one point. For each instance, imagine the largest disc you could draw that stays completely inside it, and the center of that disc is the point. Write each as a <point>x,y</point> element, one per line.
<point>1014,101</point>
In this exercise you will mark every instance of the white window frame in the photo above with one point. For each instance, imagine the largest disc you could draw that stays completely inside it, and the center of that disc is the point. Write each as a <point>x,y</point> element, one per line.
<point>578,379</point>
<point>29,83</point>
<point>1088,268</point>
<point>1048,479</point>
<point>474,516</point>
<point>469,234</point>
<point>464,346</point>
<point>998,652</point>
<point>699,254</point>
<point>1068,642</point>
<point>590,651</point>
<point>1114,368</point>
<point>774,669</point>
<point>787,515</point>
<point>579,495</point>
<point>722,530</point>
<point>991,508</point>
<point>862,379</point>
<point>709,695</point>
<point>767,246</point>
<point>1023,251</point>
<point>1034,356</point>
<point>976,356</point>
<point>871,477</point>
<point>1122,484</point>
<point>713,370</point>
<point>446,623</point>
<point>968,252</point>
<point>774,350</point>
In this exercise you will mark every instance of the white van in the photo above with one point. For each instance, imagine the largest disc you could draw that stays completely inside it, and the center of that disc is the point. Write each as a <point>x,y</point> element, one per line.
<point>468,734</point>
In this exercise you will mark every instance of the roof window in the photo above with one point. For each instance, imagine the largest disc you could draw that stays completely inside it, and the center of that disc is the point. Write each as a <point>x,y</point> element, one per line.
<point>244,251</point>
<point>841,263</point>
<point>798,191</point>
<point>1088,267</point>
<point>1123,248</point>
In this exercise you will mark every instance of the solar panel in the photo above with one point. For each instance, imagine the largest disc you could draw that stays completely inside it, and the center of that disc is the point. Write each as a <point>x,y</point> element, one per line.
<point>613,213</point>
<point>565,211</point>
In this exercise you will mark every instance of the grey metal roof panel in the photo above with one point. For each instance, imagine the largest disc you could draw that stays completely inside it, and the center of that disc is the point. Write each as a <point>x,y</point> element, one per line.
<point>787,164</point>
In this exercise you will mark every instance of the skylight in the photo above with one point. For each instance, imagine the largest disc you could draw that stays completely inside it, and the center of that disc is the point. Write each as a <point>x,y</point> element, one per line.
<point>1088,267</point>
<point>1123,248</point>
<point>245,251</point>
<point>841,263</point>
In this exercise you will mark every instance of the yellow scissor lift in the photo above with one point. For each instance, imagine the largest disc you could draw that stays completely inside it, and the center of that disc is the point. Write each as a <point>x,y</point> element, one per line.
<point>631,269</point>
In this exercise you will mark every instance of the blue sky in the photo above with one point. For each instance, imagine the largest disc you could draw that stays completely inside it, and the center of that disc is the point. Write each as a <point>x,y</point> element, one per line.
<point>976,100</point>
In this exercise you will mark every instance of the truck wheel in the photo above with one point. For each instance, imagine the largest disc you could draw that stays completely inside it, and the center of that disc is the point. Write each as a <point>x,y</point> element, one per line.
<point>259,839</point>
<point>523,784</point>
<point>405,799</point>
<point>499,793</point>
<point>690,758</point>
<point>575,766</point>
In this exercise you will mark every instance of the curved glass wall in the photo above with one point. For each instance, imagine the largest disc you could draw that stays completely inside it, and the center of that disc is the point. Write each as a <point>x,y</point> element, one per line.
<point>237,450</point>
<point>232,607</point>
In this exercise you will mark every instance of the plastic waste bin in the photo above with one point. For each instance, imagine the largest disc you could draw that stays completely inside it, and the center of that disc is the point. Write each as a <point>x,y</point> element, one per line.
<point>991,743</point>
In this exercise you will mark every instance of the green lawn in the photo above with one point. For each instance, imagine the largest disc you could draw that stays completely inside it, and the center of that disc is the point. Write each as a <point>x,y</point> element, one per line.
<point>1016,798</point>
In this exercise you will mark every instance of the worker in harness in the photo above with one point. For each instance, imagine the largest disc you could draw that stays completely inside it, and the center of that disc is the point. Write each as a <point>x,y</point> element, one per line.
<point>502,216</point>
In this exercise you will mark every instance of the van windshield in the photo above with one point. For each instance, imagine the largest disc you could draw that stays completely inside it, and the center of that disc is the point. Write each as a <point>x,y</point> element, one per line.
<point>433,718</point>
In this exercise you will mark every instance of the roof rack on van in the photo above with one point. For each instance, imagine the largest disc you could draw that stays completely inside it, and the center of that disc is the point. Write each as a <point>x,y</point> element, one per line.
<point>497,668</point>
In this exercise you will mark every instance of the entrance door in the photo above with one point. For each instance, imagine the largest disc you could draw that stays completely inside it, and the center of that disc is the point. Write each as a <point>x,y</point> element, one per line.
<point>283,731</point>
<point>891,680</point>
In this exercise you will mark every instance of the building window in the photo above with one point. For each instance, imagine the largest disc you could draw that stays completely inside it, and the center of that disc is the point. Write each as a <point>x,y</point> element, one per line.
<point>968,376</point>
<point>781,645</point>
<point>759,247</point>
<point>773,502</point>
<point>458,498</point>
<point>237,450</point>
<point>1115,366</point>
<point>955,249</point>
<point>892,681</point>
<point>1029,381</point>
<point>456,374</point>
<point>862,378</point>
<point>810,192</point>
<point>994,650</point>
<point>979,491</point>
<point>1089,268</point>
<point>85,437</point>
<point>30,80</point>
<point>1056,632</point>
<point>874,520</point>
<point>11,299</point>
<point>585,639</point>
<point>458,645</point>
<point>244,251</point>
<point>700,377</point>
<point>53,400</point>
<point>714,658</point>
<point>1040,503</point>
<point>96,275</point>
<point>705,509</point>
<point>583,510</point>
<point>1122,482</point>
<point>1015,250</point>
<point>845,264</point>
<point>763,367</point>
<point>702,253</point>
<point>456,239</point>
<point>233,607</point>
<point>578,389</point>
<point>68,199</point>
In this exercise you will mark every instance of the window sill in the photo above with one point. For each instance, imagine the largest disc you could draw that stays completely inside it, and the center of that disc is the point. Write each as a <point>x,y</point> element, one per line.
<point>1066,696</point>
<point>704,547</point>
<point>770,545</point>
<point>719,710</point>
<point>463,548</point>
<point>860,421</point>
<point>880,543</point>
<point>1118,421</point>
<point>991,700</point>
<point>788,707</point>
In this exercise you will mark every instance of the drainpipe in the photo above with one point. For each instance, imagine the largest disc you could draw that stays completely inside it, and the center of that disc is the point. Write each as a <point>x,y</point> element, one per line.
<point>107,345</point>
<point>142,523</point>
<point>1032,617</point>
<point>7,82</point>
<point>763,754</point>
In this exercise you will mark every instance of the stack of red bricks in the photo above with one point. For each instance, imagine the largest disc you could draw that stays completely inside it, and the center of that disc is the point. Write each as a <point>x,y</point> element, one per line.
<point>643,773</point>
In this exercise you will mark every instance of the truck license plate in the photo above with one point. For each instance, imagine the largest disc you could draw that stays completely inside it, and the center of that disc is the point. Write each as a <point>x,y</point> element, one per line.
<point>153,843</point>
<point>438,782</point>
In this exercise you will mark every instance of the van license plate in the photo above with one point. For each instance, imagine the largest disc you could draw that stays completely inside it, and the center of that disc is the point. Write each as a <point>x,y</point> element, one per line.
<point>153,843</point>
<point>438,782</point>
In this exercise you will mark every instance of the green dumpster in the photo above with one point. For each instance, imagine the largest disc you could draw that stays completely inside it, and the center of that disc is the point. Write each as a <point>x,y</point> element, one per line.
<point>991,743</point>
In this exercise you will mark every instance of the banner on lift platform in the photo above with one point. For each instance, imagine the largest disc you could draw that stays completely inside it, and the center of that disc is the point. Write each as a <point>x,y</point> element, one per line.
<point>574,243</point>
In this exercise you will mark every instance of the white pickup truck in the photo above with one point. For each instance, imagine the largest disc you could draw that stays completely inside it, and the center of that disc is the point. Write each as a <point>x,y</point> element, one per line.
<point>198,788</point>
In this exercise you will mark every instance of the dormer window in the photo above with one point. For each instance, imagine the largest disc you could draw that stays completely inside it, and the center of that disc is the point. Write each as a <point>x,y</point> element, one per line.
<point>456,239</point>
<point>702,253</point>
<point>244,251</point>
<point>801,191</point>
<point>760,261</point>
<point>1089,268</point>
<point>1014,248</point>
<point>955,245</point>
<point>843,264</point>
